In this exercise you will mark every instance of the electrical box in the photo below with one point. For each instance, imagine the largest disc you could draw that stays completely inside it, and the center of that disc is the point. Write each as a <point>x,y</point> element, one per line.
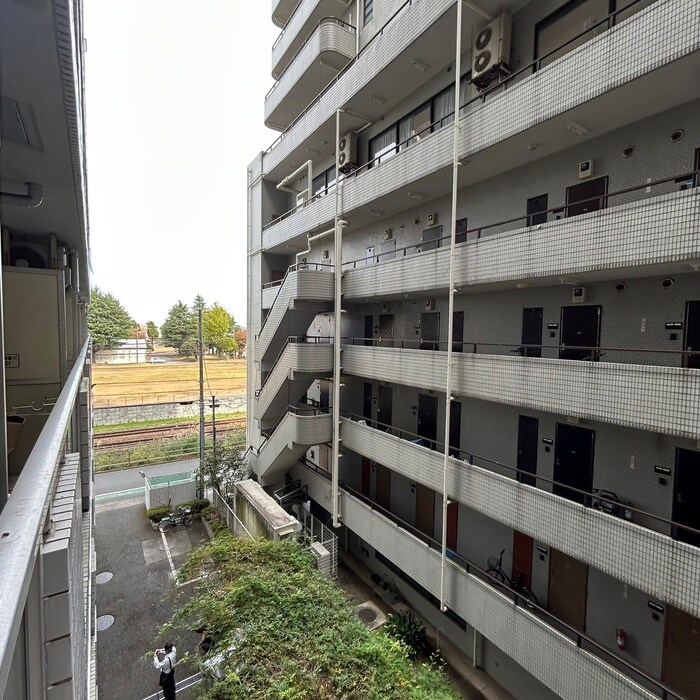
<point>388,234</point>
<point>429,305</point>
<point>385,308</point>
<point>432,219</point>
<point>325,255</point>
<point>585,169</point>
<point>578,295</point>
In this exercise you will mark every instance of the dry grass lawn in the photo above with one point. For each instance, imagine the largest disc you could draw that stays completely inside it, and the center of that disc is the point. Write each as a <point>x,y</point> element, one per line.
<point>116,385</point>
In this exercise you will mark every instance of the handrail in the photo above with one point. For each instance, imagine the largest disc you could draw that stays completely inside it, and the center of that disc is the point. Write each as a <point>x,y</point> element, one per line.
<point>602,200</point>
<point>520,348</point>
<point>294,410</point>
<point>324,20</point>
<point>447,119</point>
<point>23,518</point>
<point>289,19</point>
<point>292,340</point>
<point>519,600</point>
<point>301,266</point>
<point>518,474</point>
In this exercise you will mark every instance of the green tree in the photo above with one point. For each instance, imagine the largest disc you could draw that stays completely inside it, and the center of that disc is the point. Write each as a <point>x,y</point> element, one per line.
<point>216,323</point>
<point>189,348</point>
<point>198,304</point>
<point>222,467</point>
<point>108,320</point>
<point>152,330</point>
<point>179,326</point>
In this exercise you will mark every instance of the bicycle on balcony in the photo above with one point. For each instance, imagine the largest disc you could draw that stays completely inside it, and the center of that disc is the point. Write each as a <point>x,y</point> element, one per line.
<point>496,571</point>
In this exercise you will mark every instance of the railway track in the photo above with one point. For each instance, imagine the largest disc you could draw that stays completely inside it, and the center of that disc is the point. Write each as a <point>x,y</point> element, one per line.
<point>123,438</point>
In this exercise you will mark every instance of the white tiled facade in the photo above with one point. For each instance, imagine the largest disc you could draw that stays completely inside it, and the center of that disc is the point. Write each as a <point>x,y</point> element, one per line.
<point>573,450</point>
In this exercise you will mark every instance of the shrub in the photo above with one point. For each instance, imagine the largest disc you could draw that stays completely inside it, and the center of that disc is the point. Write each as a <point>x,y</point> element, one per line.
<point>405,627</point>
<point>157,513</point>
<point>196,505</point>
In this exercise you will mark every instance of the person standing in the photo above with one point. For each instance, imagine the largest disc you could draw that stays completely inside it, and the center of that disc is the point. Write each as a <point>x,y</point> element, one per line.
<point>167,669</point>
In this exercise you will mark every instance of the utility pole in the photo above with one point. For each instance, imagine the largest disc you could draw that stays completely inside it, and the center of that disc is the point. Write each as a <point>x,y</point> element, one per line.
<point>200,348</point>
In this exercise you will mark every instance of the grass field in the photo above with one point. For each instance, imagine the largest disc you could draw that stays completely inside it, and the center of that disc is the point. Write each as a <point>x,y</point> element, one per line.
<point>116,385</point>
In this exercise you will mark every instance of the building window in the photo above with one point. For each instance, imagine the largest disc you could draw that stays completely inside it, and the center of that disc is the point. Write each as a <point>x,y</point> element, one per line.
<point>324,183</point>
<point>383,146</point>
<point>368,11</point>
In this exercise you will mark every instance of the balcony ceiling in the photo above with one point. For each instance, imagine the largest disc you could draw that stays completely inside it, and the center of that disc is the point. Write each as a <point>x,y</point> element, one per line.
<point>36,125</point>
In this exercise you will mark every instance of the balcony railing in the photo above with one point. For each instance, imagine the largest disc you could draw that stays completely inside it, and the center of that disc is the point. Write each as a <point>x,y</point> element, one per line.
<point>557,625</point>
<point>23,520</point>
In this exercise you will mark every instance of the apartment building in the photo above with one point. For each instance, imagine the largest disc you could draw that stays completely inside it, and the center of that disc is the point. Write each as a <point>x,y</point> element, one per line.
<point>46,614</point>
<point>480,335</point>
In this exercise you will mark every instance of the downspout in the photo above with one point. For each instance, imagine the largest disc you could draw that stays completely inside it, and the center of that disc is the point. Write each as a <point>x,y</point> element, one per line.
<point>337,311</point>
<point>284,185</point>
<point>311,239</point>
<point>450,317</point>
<point>357,28</point>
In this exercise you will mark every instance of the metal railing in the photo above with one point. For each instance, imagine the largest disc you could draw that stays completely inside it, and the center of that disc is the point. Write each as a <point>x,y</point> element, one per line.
<point>233,522</point>
<point>470,235</point>
<point>501,85</point>
<point>584,353</point>
<point>23,520</point>
<point>324,20</point>
<point>600,499</point>
<point>581,639</point>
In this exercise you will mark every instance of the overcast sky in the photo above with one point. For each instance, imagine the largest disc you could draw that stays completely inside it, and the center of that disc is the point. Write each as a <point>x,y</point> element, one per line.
<point>175,94</point>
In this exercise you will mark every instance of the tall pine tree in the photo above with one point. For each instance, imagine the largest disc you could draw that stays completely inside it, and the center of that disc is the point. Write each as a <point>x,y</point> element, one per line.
<point>108,321</point>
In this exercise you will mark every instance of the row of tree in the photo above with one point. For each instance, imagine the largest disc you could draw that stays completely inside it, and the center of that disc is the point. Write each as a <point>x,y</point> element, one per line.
<point>109,323</point>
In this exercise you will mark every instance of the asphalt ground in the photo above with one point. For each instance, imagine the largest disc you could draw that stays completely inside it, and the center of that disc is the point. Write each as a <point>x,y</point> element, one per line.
<point>123,479</point>
<point>141,596</point>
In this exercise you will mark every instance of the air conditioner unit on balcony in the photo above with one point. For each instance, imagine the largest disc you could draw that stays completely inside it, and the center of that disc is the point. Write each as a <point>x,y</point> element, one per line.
<point>40,255</point>
<point>491,51</point>
<point>346,153</point>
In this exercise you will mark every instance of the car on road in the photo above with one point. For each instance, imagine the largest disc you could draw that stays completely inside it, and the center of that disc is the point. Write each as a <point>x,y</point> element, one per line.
<point>158,360</point>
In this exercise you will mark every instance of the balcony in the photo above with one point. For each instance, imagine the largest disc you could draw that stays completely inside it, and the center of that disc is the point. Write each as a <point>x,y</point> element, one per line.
<point>301,360</point>
<point>646,397</point>
<point>305,17</point>
<point>282,10</point>
<point>653,232</point>
<point>490,611</point>
<point>297,430</point>
<point>610,544</point>
<point>324,53</point>
<point>495,130</point>
<point>305,291</point>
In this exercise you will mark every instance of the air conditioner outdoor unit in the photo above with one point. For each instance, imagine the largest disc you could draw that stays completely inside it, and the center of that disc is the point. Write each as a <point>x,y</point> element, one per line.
<point>491,51</point>
<point>429,304</point>
<point>346,153</point>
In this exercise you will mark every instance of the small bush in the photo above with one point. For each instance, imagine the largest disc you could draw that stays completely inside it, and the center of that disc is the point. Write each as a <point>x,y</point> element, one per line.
<point>196,505</point>
<point>157,513</point>
<point>405,627</point>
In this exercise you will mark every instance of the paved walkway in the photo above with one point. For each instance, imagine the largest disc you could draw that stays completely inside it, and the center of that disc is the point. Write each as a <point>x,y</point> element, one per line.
<point>141,596</point>
<point>124,479</point>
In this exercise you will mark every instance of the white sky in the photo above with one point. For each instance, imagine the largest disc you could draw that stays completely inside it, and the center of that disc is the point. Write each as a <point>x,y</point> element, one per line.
<point>175,92</point>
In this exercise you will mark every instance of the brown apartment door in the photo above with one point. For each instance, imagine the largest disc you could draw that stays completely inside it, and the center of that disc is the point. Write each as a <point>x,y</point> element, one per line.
<point>692,335</point>
<point>452,525</point>
<point>587,196</point>
<point>522,558</point>
<point>425,509</point>
<point>686,495</point>
<point>568,583</point>
<point>383,492</point>
<point>364,487</point>
<point>429,331</point>
<point>679,667</point>
<point>386,330</point>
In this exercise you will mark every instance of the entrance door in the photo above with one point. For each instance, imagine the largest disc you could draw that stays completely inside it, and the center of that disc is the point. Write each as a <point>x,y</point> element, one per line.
<point>532,332</point>
<point>573,462</point>
<point>452,525</point>
<point>686,496</point>
<point>679,666</point>
<point>457,331</point>
<point>384,408</point>
<point>369,329</point>
<point>692,334</point>
<point>580,332</point>
<point>386,330</point>
<point>425,509</point>
<point>429,331</point>
<point>427,419</point>
<point>367,402</point>
<point>383,492</point>
<point>431,238</point>
<point>587,196</point>
<point>522,558</point>
<point>536,210</point>
<point>568,583</point>
<point>528,428</point>
<point>455,428</point>
<point>364,487</point>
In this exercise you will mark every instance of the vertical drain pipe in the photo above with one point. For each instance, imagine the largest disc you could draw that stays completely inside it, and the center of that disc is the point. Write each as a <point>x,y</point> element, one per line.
<point>450,323</point>
<point>337,311</point>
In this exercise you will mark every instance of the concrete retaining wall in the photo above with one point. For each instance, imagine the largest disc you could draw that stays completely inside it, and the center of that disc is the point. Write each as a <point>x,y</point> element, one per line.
<point>112,415</point>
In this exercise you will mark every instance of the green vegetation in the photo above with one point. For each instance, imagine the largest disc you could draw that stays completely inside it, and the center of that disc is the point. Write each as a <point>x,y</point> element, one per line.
<point>156,422</point>
<point>406,627</point>
<point>108,321</point>
<point>159,512</point>
<point>286,632</point>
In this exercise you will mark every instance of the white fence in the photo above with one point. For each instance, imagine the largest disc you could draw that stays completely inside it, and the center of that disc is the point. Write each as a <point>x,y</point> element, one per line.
<point>170,490</point>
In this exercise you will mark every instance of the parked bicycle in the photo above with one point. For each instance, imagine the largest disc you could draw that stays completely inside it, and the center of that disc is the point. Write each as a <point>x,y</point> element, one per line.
<point>181,516</point>
<point>516,584</point>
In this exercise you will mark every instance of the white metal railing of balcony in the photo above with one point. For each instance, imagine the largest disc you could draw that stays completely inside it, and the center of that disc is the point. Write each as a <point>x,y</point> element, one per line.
<point>23,520</point>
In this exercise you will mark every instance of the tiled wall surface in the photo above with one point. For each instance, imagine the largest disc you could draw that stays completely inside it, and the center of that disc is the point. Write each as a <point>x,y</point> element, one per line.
<point>307,285</point>
<point>296,358</point>
<point>549,656</point>
<point>647,560</point>
<point>659,399</point>
<point>660,230</point>
<point>328,37</point>
<point>302,12</point>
